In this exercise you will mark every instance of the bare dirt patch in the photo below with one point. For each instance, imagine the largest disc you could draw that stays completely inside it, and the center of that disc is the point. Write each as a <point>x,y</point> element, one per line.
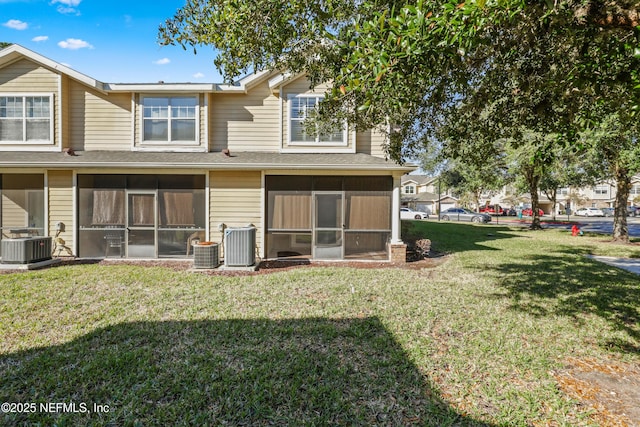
<point>611,388</point>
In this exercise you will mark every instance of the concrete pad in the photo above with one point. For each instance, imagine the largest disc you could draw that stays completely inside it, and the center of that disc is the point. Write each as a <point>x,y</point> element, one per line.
<point>238,268</point>
<point>31,265</point>
<point>629,264</point>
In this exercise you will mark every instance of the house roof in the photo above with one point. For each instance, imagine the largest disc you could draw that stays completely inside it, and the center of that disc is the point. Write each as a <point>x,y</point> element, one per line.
<point>418,179</point>
<point>210,160</point>
<point>15,52</point>
<point>426,197</point>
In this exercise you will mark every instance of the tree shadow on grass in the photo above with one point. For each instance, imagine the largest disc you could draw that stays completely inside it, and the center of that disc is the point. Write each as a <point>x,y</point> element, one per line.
<point>452,237</point>
<point>226,372</point>
<point>568,283</point>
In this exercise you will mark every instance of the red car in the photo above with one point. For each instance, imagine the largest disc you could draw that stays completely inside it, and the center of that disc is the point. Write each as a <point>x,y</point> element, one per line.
<point>529,212</point>
<point>491,210</point>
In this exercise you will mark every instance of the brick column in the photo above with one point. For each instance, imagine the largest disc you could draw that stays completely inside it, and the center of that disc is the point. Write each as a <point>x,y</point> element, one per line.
<point>398,253</point>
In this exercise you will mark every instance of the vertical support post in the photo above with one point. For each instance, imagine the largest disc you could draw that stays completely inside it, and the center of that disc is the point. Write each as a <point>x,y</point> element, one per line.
<point>395,210</point>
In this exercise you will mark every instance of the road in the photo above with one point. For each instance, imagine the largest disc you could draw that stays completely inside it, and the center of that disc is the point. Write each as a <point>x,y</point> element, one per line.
<point>587,224</point>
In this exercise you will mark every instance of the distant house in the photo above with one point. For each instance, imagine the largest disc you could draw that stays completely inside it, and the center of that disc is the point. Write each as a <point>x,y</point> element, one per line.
<point>154,166</point>
<point>421,192</point>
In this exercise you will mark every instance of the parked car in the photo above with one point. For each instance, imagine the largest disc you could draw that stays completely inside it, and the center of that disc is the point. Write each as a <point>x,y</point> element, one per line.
<point>510,212</point>
<point>633,210</point>
<point>608,211</point>
<point>529,212</point>
<point>589,212</point>
<point>407,213</point>
<point>461,214</point>
<point>491,210</point>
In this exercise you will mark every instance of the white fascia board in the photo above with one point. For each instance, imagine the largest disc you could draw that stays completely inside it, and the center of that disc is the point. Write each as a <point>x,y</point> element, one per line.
<point>244,84</point>
<point>203,166</point>
<point>160,87</point>
<point>16,51</point>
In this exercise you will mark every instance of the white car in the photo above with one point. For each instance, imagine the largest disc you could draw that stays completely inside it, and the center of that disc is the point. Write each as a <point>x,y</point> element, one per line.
<point>406,213</point>
<point>589,212</point>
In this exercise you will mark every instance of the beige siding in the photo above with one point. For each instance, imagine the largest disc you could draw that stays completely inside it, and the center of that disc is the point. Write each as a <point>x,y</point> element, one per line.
<point>371,142</point>
<point>297,87</point>
<point>98,121</point>
<point>24,76</point>
<point>65,107</point>
<point>61,204</point>
<point>245,122</point>
<point>235,200</point>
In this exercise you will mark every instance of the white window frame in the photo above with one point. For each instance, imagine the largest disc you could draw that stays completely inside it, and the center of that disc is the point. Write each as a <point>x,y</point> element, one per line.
<point>317,142</point>
<point>410,189</point>
<point>24,140</point>
<point>601,190</point>
<point>169,118</point>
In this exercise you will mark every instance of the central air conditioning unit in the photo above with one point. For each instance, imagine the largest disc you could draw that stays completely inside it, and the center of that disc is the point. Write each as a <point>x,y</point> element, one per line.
<point>240,246</point>
<point>25,250</point>
<point>206,255</point>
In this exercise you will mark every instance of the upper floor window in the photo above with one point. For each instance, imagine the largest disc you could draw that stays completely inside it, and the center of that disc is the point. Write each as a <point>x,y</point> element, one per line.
<point>26,119</point>
<point>635,189</point>
<point>409,189</point>
<point>302,107</point>
<point>601,189</point>
<point>170,119</point>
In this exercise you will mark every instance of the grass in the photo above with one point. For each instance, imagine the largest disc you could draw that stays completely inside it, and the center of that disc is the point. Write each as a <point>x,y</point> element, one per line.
<point>473,341</point>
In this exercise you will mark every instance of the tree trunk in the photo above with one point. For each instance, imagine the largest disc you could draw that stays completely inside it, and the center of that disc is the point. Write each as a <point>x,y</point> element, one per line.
<point>534,180</point>
<point>535,215</point>
<point>553,197</point>
<point>476,196</point>
<point>623,185</point>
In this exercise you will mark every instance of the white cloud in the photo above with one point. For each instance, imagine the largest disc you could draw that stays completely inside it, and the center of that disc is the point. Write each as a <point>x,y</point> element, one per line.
<point>74,44</point>
<point>69,3</point>
<point>198,75</point>
<point>67,7</point>
<point>16,24</point>
<point>40,39</point>
<point>68,11</point>
<point>162,61</point>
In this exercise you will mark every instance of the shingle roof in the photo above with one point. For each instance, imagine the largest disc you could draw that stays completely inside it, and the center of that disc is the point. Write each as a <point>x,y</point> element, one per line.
<point>418,179</point>
<point>209,160</point>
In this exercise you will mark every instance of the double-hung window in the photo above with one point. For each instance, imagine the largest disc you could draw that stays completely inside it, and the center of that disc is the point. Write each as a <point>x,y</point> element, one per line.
<point>26,119</point>
<point>301,108</point>
<point>170,119</point>
<point>601,189</point>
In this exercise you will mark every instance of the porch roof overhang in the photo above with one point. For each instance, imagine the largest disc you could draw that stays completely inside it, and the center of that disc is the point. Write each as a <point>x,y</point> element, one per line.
<point>210,160</point>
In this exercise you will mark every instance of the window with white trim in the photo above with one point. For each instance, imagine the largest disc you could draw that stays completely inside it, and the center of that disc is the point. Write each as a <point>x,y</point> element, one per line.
<point>302,107</point>
<point>601,189</point>
<point>409,189</point>
<point>170,119</point>
<point>26,119</point>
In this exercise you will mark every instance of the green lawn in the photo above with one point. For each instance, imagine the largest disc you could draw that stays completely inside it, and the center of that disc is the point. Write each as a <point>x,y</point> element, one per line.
<point>473,341</point>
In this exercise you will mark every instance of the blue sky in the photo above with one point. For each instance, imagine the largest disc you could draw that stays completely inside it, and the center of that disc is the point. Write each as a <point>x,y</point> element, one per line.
<point>111,41</point>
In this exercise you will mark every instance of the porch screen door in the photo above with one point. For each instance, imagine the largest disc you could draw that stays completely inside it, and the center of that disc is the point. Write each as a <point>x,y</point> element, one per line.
<point>141,225</point>
<point>328,225</point>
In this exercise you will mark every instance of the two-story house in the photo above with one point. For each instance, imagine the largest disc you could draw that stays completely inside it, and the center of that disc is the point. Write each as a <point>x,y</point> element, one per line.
<point>424,193</point>
<point>155,165</point>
